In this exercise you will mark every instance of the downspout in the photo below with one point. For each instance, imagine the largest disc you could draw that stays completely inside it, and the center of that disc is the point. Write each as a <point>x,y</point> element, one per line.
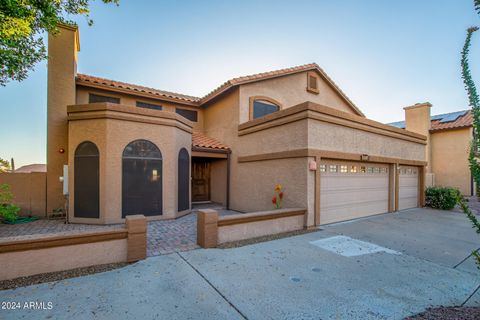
<point>228,179</point>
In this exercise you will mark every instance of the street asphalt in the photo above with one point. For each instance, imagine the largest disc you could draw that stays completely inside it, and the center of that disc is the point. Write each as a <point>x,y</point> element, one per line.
<point>383,267</point>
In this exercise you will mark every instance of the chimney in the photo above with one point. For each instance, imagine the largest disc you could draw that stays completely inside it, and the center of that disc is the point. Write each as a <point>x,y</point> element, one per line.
<point>417,119</point>
<point>62,69</point>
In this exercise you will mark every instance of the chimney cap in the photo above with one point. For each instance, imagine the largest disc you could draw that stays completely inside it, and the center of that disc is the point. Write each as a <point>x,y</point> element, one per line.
<point>419,105</point>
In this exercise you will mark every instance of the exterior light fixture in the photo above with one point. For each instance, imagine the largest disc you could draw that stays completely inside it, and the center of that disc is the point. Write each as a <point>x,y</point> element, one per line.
<point>61,150</point>
<point>364,157</point>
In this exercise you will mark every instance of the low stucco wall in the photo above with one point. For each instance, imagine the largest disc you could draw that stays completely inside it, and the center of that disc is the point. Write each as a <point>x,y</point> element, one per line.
<point>29,190</point>
<point>27,263</point>
<point>253,229</point>
<point>213,230</point>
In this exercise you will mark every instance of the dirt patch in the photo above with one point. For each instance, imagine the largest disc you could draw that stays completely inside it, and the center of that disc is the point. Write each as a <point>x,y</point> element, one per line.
<point>241,243</point>
<point>60,275</point>
<point>448,313</point>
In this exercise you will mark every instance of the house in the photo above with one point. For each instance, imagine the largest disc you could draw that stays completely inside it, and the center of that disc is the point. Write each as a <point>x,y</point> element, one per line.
<point>137,150</point>
<point>448,144</point>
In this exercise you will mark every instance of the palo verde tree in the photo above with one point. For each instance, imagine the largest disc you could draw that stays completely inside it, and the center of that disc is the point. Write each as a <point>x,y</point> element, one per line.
<point>474,102</point>
<point>22,23</point>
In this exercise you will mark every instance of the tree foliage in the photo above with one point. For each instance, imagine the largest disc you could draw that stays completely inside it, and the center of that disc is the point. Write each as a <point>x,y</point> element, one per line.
<point>4,166</point>
<point>474,103</point>
<point>22,23</point>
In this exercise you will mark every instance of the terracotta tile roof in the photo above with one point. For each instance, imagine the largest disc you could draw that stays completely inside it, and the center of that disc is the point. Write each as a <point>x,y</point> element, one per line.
<point>200,140</point>
<point>87,80</point>
<point>91,80</point>
<point>460,121</point>
<point>278,73</point>
<point>452,120</point>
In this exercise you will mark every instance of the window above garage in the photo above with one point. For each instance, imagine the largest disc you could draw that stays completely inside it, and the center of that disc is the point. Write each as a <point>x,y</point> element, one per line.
<point>262,106</point>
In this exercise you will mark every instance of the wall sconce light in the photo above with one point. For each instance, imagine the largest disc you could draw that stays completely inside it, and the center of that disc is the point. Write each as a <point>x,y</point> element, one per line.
<point>364,157</point>
<point>312,165</point>
<point>61,150</point>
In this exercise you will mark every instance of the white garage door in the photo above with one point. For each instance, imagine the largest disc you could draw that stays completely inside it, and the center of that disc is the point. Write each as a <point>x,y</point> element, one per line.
<point>407,187</point>
<point>350,190</point>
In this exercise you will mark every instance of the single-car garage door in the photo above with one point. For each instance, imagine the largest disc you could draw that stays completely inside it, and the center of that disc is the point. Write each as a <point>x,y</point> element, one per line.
<point>350,190</point>
<point>407,187</point>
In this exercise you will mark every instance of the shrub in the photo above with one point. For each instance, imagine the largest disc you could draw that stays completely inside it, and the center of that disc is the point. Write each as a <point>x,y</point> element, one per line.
<point>8,211</point>
<point>444,198</point>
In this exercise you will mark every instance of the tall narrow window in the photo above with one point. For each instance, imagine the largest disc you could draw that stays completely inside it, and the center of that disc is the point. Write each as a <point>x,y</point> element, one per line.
<point>262,106</point>
<point>183,180</point>
<point>142,179</point>
<point>86,181</point>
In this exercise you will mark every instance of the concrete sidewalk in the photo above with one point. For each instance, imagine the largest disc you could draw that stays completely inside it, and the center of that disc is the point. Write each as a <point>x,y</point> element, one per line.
<point>416,263</point>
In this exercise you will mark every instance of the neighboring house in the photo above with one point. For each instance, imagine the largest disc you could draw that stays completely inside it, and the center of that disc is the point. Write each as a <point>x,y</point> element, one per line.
<point>449,136</point>
<point>137,150</point>
<point>37,167</point>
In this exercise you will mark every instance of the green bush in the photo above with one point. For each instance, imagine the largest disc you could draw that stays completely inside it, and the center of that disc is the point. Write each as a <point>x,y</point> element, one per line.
<point>444,198</point>
<point>8,211</point>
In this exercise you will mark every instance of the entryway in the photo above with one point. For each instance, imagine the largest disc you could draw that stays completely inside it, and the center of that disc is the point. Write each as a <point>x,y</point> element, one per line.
<point>210,179</point>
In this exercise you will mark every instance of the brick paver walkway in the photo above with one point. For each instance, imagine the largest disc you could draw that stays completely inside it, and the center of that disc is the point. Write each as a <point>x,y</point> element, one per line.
<point>167,236</point>
<point>163,236</point>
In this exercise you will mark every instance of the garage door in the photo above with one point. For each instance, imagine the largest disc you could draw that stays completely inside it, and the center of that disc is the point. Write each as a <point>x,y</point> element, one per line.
<point>407,187</point>
<point>350,190</point>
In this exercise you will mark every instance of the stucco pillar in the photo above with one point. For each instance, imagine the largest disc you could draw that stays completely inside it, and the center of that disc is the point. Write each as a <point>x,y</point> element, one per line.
<point>62,68</point>
<point>417,119</point>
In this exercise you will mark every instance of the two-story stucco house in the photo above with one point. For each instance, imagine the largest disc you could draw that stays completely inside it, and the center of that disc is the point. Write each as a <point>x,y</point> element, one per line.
<point>137,150</point>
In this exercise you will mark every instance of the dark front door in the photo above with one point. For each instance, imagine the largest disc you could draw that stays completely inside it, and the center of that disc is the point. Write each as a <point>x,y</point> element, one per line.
<point>142,187</point>
<point>200,181</point>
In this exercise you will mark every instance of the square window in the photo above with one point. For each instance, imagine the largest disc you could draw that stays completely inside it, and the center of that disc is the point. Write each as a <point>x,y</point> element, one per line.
<point>323,168</point>
<point>383,170</point>
<point>333,168</point>
<point>369,170</point>
<point>353,169</point>
<point>409,171</point>
<point>376,170</point>
<point>343,169</point>
<point>363,169</point>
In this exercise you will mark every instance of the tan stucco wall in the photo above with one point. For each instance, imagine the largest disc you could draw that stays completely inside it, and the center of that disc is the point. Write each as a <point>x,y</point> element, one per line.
<point>131,100</point>
<point>450,158</point>
<point>111,137</point>
<point>417,119</point>
<point>254,182</point>
<point>25,263</point>
<point>218,181</point>
<point>62,50</point>
<point>289,91</point>
<point>333,137</point>
<point>29,190</point>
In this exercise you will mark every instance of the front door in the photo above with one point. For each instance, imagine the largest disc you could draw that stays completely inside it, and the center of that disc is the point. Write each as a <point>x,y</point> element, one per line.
<point>200,180</point>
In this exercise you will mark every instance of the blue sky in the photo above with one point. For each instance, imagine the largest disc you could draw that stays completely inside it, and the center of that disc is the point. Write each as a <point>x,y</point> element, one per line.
<point>383,54</point>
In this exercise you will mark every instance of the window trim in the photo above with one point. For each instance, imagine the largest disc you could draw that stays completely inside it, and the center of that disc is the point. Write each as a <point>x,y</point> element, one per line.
<point>311,89</point>
<point>265,98</point>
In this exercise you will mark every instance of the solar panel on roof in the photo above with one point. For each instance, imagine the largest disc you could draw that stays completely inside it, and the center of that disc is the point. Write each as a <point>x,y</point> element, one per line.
<point>449,117</point>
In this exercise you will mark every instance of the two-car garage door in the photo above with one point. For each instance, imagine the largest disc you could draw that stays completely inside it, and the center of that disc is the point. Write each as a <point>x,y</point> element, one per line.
<point>350,190</point>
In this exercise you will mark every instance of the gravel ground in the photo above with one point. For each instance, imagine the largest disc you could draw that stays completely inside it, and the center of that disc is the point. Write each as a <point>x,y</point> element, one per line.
<point>448,313</point>
<point>241,243</point>
<point>61,275</point>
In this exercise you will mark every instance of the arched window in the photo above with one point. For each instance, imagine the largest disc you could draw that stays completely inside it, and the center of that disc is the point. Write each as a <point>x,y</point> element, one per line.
<point>262,106</point>
<point>183,180</point>
<point>86,181</point>
<point>141,179</point>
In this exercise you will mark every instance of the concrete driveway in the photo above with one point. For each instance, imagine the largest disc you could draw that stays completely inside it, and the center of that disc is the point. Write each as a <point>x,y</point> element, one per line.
<point>383,267</point>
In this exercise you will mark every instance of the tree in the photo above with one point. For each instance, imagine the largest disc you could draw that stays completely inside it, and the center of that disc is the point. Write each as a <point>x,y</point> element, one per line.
<point>4,166</point>
<point>22,23</point>
<point>474,103</point>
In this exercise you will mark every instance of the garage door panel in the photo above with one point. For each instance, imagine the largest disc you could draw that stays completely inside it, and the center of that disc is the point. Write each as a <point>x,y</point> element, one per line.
<point>352,190</point>
<point>407,187</point>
